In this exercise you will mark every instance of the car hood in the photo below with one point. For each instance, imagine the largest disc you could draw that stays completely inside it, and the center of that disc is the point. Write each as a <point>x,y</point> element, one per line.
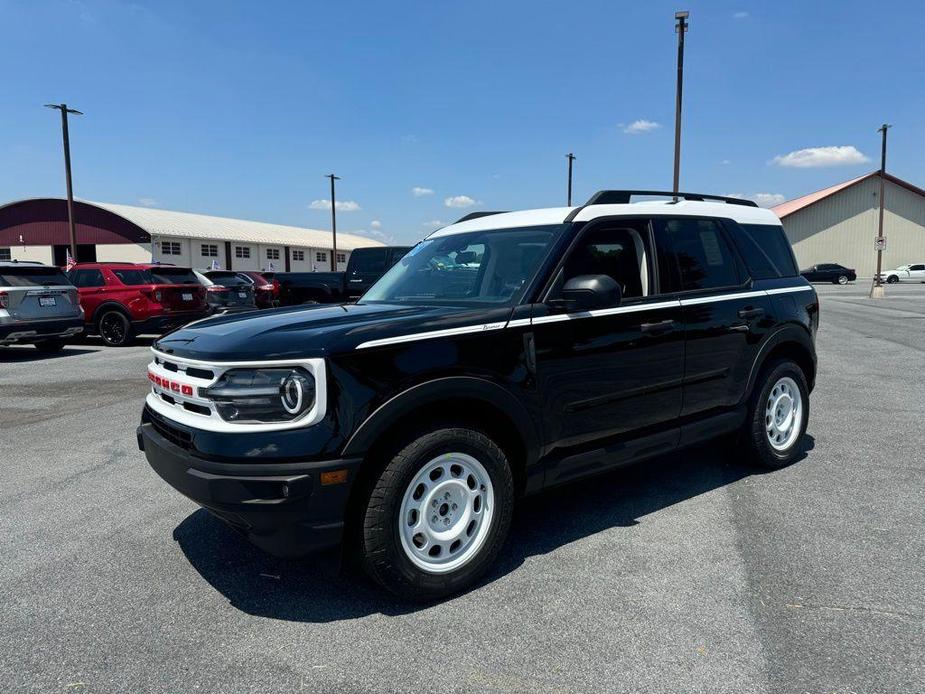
<point>314,331</point>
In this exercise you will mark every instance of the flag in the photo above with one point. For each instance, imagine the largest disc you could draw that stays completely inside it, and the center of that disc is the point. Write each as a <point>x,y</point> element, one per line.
<point>215,265</point>
<point>272,267</point>
<point>69,265</point>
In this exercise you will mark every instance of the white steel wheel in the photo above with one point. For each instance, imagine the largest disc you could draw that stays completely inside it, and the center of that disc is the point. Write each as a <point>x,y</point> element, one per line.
<point>784,414</point>
<point>446,513</point>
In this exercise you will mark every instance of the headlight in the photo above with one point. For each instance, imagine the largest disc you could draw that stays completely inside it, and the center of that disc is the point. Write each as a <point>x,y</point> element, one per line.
<point>262,395</point>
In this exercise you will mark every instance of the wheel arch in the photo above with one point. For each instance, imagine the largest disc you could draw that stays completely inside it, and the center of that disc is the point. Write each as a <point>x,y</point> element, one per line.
<point>792,342</point>
<point>110,306</point>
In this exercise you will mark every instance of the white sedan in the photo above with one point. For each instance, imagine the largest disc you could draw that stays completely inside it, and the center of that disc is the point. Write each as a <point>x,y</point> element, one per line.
<point>914,272</point>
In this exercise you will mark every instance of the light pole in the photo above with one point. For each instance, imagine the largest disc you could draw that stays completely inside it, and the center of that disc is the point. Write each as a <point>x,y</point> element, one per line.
<point>876,291</point>
<point>67,172</point>
<point>571,158</point>
<point>333,223</point>
<point>681,29</point>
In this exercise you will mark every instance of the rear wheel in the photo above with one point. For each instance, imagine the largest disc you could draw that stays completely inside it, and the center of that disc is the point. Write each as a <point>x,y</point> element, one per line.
<point>778,415</point>
<point>438,514</point>
<point>115,328</point>
<point>842,279</point>
<point>50,346</point>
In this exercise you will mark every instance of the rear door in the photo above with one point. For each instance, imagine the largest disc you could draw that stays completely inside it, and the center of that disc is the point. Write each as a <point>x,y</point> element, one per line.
<point>917,272</point>
<point>36,292</point>
<point>725,318</point>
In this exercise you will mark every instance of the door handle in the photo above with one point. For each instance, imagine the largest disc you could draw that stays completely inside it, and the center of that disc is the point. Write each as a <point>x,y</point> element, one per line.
<point>659,327</point>
<point>750,312</point>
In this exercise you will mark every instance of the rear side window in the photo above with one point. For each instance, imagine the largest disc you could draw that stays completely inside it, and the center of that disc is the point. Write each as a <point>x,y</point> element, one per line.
<point>134,277</point>
<point>766,250</point>
<point>31,276</point>
<point>704,258</point>
<point>369,260</point>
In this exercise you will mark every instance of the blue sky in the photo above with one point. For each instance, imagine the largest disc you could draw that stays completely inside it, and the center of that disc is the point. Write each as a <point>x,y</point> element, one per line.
<point>240,108</point>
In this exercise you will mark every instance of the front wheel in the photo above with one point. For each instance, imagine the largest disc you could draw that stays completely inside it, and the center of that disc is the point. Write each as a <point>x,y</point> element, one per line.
<point>842,279</point>
<point>892,279</point>
<point>438,514</point>
<point>778,415</point>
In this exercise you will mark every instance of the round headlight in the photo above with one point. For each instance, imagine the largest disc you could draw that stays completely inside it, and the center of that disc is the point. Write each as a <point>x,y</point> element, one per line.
<point>292,392</point>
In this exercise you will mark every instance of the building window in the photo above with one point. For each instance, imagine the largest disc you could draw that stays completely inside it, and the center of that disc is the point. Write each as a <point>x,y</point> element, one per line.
<point>5,254</point>
<point>321,257</point>
<point>341,257</point>
<point>242,252</point>
<point>210,250</point>
<point>170,248</point>
<point>272,254</point>
<point>298,255</point>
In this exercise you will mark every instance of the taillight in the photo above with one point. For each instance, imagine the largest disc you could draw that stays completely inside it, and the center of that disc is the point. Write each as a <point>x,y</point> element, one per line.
<point>4,300</point>
<point>266,287</point>
<point>216,288</point>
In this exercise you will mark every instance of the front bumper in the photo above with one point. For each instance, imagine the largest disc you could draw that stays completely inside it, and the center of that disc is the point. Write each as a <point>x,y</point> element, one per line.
<point>283,508</point>
<point>157,325</point>
<point>34,331</point>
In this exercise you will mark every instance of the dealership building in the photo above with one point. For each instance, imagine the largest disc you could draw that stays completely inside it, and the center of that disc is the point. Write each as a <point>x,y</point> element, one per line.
<point>838,224</point>
<point>37,229</point>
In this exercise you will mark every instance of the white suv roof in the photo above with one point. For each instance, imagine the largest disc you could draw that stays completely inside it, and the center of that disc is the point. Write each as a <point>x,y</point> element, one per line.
<point>742,213</point>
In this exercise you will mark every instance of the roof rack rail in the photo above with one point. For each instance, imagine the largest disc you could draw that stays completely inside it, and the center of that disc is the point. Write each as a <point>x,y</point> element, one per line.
<point>476,215</point>
<point>621,197</point>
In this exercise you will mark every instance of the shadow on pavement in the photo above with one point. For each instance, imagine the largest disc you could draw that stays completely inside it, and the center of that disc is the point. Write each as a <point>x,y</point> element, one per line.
<point>27,353</point>
<point>312,590</point>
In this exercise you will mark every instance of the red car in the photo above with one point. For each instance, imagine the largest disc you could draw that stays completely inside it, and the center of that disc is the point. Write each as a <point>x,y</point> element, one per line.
<point>121,300</point>
<point>266,291</point>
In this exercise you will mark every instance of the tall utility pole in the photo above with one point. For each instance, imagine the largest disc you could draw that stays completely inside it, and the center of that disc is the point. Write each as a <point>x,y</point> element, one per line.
<point>333,223</point>
<point>681,29</point>
<point>876,291</point>
<point>571,158</point>
<point>67,172</point>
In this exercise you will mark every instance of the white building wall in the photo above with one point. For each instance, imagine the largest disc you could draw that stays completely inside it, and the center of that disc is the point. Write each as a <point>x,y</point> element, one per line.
<point>279,261</point>
<point>124,252</point>
<point>252,262</point>
<point>182,259</point>
<point>203,261</point>
<point>841,228</point>
<point>39,254</point>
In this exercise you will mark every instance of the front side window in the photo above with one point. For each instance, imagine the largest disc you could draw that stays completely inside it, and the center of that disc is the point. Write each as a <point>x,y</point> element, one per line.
<point>617,251</point>
<point>87,278</point>
<point>917,267</point>
<point>477,268</point>
<point>703,257</point>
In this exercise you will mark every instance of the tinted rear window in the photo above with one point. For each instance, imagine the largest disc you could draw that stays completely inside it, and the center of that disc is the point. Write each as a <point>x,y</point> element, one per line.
<point>766,250</point>
<point>165,275</point>
<point>227,279</point>
<point>134,276</point>
<point>31,276</point>
<point>704,259</point>
<point>369,260</point>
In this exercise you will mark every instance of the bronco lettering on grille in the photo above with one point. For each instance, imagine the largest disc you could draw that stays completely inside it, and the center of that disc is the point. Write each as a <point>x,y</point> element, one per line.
<point>167,384</point>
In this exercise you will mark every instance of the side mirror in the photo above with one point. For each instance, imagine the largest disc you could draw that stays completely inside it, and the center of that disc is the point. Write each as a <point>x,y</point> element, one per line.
<point>589,292</point>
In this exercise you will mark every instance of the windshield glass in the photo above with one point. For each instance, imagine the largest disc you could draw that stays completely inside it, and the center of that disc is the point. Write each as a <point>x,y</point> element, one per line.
<point>227,279</point>
<point>482,267</point>
<point>173,275</point>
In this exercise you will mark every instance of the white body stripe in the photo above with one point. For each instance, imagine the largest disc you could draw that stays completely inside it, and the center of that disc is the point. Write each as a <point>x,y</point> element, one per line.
<point>597,313</point>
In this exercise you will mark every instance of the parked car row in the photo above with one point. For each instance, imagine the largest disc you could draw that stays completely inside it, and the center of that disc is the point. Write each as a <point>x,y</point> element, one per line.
<point>45,305</point>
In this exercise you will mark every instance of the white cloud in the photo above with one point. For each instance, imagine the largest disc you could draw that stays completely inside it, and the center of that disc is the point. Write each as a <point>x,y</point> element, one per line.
<point>740,15</point>
<point>811,157</point>
<point>433,224</point>
<point>340,205</point>
<point>460,201</point>
<point>726,162</point>
<point>638,127</point>
<point>763,199</point>
<point>147,202</point>
<point>387,239</point>
<point>375,224</point>
<point>420,192</point>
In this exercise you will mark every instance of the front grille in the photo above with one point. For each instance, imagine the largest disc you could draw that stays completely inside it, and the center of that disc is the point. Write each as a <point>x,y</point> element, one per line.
<point>205,374</point>
<point>176,436</point>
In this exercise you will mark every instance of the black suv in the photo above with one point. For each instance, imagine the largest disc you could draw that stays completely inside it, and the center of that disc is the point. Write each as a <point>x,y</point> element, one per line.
<point>502,355</point>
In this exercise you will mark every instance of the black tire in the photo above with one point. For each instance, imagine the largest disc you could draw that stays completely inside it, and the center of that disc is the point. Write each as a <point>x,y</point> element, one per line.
<point>841,279</point>
<point>892,279</point>
<point>50,346</point>
<point>115,329</point>
<point>381,550</point>
<point>761,452</point>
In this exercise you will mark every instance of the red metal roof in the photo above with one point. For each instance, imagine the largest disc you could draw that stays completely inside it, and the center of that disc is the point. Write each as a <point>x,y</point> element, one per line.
<point>43,222</point>
<point>791,206</point>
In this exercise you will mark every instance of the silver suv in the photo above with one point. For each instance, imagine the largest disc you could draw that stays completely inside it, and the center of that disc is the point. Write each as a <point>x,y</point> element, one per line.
<point>37,305</point>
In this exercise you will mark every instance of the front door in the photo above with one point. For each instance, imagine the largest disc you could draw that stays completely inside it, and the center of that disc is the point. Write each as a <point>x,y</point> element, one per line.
<point>612,372</point>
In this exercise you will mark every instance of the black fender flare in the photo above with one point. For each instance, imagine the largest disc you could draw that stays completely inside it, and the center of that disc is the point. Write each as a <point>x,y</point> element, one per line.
<point>447,388</point>
<point>793,333</point>
<point>110,306</point>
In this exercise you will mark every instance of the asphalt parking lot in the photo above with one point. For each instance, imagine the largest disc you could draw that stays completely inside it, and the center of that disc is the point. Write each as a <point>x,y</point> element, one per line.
<point>690,573</point>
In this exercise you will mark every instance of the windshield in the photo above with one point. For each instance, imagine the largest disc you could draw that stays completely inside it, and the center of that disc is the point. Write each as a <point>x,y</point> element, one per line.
<point>174,275</point>
<point>482,267</point>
